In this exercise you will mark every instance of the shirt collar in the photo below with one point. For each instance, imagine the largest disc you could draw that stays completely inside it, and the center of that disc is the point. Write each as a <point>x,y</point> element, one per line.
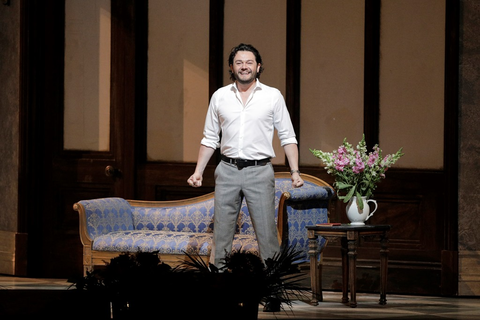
<point>258,85</point>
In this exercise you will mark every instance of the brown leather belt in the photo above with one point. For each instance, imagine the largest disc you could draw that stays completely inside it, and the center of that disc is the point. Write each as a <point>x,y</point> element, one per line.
<point>242,163</point>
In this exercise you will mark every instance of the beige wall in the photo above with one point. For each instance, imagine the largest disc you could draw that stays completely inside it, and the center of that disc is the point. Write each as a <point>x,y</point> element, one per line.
<point>178,67</point>
<point>177,78</point>
<point>411,81</point>
<point>87,75</point>
<point>331,101</point>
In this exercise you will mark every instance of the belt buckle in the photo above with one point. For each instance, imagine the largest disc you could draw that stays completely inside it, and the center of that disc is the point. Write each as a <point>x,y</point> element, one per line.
<point>240,164</point>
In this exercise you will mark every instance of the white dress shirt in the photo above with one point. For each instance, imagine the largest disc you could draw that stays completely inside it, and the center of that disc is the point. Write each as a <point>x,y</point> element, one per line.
<point>247,130</point>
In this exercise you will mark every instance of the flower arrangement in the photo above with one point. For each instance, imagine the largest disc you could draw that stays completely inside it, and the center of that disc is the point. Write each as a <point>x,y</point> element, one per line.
<point>356,171</point>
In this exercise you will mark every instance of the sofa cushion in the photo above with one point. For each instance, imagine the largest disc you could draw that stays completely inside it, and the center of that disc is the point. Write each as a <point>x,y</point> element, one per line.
<point>167,242</point>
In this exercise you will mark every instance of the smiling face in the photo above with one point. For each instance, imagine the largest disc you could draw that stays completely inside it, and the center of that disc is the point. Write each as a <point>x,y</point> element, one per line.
<point>245,67</point>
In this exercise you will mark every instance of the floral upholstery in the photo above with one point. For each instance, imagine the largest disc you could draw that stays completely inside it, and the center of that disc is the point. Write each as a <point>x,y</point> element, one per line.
<point>307,206</point>
<point>107,215</point>
<point>113,224</point>
<point>197,218</point>
<point>167,242</point>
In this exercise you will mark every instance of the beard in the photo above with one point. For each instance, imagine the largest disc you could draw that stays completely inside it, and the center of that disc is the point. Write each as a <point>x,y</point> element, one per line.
<point>246,78</point>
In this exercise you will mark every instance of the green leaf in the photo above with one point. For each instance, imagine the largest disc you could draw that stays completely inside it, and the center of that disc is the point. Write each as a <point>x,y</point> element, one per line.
<point>359,201</point>
<point>343,185</point>
<point>349,194</point>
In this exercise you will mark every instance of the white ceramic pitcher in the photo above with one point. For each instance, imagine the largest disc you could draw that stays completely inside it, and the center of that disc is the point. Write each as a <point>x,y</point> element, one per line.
<point>356,216</point>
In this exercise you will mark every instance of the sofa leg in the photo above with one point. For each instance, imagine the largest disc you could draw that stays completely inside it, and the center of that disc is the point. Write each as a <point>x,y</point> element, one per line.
<point>87,259</point>
<point>87,268</point>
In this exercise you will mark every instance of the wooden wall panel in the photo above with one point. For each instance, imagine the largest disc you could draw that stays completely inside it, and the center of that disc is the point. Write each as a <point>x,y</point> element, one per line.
<point>63,258</point>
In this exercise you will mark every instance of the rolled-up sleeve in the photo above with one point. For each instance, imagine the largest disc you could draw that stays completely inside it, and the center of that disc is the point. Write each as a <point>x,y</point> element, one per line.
<point>283,123</point>
<point>211,131</point>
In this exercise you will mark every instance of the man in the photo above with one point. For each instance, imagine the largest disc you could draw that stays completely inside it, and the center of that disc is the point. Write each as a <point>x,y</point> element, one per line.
<point>245,113</point>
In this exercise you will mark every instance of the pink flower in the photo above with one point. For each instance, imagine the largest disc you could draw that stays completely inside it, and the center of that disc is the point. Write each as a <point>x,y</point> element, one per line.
<point>372,158</point>
<point>340,161</point>
<point>359,165</point>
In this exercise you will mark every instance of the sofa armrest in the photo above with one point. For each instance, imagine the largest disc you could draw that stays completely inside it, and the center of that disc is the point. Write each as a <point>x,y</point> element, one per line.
<point>310,192</point>
<point>307,205</point>
<point>299,196</point>
<point>101,216</point>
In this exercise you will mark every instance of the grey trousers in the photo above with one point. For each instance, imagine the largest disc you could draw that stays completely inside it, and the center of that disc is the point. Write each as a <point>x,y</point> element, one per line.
<point>257,185</point>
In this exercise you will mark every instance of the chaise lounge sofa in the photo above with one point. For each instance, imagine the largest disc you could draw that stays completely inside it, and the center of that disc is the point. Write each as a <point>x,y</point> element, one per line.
<point>110,226</point>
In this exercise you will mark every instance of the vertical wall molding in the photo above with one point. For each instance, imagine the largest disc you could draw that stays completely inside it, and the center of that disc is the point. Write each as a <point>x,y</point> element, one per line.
<point>293,59</point>
<point>451,146</point>
<point>216,61</point>
<point>141,80</point>
<point>449,281</point>
<point>371,98</point>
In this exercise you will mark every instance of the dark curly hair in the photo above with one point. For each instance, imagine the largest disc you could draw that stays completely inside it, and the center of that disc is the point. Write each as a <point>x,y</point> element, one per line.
<point>245,47</point>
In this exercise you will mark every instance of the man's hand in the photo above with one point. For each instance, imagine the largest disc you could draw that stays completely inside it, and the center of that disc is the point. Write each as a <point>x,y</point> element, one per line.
<point>297,181</point>
<point>195,180</point>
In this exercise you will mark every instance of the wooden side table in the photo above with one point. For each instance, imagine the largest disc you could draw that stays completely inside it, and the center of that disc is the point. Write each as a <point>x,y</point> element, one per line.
<point>349,239</point>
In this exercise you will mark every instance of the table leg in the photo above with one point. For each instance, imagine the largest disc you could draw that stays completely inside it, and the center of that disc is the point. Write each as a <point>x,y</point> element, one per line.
<point>352,266</point>
<point>345,281</point>
<point>383,268</point>
<point>315,273</point>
